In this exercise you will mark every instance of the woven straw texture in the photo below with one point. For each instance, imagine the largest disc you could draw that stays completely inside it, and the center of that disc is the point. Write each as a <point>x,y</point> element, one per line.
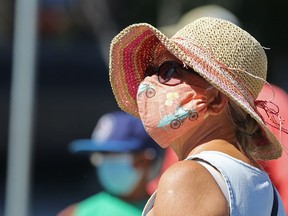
<point>224,54</point>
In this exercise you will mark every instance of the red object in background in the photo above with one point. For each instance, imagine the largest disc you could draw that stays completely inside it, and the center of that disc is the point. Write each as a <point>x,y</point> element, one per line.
<point>277,169</point>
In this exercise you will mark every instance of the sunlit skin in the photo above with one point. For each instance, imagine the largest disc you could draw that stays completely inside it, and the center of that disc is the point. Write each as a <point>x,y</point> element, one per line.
<point>186,187</point>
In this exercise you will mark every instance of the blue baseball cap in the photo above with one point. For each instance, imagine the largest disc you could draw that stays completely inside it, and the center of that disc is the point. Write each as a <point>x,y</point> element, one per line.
<point>116,131</point>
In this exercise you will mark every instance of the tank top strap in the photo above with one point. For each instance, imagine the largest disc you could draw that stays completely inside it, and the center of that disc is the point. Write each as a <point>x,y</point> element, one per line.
<point>149,205</point>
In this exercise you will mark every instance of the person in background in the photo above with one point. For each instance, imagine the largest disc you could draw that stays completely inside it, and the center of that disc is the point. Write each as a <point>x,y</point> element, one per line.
<point>126,159</point>
<point>277,169</point>
<point>196,92</point>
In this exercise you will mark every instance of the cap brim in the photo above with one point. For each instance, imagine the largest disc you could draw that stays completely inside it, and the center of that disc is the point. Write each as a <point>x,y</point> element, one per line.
<point>89,146</point>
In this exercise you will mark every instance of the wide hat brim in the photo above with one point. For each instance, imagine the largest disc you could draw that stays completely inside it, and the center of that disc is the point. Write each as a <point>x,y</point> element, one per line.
<point>134,49</point>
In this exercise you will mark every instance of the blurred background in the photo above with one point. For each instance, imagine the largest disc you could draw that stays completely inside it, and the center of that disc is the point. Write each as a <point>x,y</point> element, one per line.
<point>72,83</point>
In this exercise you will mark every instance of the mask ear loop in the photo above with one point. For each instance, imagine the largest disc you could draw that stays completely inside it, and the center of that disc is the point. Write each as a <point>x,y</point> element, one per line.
<point>271,113</point>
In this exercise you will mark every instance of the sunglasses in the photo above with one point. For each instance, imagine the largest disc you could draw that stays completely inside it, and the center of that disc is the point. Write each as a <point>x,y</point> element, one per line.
<point>168,70</point>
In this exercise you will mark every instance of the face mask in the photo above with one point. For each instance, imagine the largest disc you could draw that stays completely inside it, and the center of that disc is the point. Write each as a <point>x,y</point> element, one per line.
<point>170,111</point>
<point>117,174</point>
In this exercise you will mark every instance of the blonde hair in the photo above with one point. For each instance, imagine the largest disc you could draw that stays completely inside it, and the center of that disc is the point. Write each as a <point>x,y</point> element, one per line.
<point>247,130</point>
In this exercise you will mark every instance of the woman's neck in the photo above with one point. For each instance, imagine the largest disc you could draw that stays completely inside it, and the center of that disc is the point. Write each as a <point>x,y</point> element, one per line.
<point>213,128</point>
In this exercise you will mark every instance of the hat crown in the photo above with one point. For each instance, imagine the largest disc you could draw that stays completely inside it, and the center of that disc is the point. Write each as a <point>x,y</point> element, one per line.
<point>231,46</point>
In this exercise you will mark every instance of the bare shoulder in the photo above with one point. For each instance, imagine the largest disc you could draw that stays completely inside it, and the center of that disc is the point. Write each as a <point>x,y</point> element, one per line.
<point>187,188</point>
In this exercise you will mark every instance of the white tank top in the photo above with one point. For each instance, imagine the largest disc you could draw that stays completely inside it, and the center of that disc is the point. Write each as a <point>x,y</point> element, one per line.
<point>249,190</point>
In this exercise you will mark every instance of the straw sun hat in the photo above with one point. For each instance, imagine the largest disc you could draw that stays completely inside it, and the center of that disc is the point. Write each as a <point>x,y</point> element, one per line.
<point>222,53</point>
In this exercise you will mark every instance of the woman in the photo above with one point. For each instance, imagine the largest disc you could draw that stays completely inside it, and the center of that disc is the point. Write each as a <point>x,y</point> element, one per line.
<point>196,92</point>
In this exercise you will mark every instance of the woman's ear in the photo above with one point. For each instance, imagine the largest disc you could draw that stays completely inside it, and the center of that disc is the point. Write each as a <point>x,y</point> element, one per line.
<point>216,101</point>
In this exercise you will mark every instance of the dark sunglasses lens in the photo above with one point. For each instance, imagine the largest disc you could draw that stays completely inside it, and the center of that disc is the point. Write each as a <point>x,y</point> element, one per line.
<point>166,71</point>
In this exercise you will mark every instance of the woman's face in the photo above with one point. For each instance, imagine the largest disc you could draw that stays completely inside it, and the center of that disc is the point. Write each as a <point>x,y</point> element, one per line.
<point>171,100</point>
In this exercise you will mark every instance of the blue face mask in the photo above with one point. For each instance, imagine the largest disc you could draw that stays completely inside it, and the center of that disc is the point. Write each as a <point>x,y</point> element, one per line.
<point>117,174</point>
